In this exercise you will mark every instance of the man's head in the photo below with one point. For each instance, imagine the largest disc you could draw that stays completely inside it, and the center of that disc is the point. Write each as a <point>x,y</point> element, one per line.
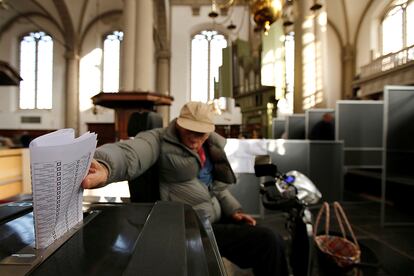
<point>327,117</point>
<point>194,124</point>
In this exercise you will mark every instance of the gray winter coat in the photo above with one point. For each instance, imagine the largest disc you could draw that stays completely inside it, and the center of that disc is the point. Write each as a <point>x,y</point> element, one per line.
<point>178,169</point>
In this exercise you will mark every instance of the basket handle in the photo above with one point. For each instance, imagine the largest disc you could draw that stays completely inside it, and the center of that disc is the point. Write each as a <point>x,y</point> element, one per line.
<point>340,215</point>
<point>324,209</point>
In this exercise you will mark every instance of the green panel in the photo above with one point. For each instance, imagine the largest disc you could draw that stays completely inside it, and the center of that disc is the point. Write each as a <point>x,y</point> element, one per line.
<point>273,58</point>
<point>225,84</point>
<point>217,87</point>
<point>243,48</point>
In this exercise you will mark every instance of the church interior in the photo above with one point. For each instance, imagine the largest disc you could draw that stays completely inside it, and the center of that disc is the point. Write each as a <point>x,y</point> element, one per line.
<point>323,87</point>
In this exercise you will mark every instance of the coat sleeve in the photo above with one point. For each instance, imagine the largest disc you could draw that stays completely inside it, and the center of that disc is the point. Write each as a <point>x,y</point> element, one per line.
<point>126,160</point>
<point>229,204</point>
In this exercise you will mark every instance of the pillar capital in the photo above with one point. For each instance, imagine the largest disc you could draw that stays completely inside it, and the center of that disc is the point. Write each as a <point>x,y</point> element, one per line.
<point>163,54</point>
<point>348,52</point>
<point>71,54</point>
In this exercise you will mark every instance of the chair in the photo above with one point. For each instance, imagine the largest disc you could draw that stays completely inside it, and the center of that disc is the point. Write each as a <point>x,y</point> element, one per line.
<point>141,121</point>
<point>145,188</point>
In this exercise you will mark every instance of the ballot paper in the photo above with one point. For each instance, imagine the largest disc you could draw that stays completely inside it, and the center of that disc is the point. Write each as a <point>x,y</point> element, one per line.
<point>59,162</point>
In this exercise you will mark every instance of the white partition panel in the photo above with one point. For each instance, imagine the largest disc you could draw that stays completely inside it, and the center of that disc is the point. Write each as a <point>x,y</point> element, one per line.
<point>359,123</point>
<point>314,116</point>
<point>321,161</point>
<point>398,155</point>
<point>278,128</point>
<point>295,126</point>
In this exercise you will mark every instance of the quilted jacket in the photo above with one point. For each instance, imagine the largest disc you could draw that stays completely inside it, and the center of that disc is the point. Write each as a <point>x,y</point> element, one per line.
<point>178,169</point>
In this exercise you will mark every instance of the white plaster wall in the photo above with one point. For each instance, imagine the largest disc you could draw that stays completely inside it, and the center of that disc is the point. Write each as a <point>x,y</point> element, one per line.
<point>368,44</point>
<point>10,113</point>
<point>336,16</point>
<point>183,26</point>
<point>345,16</point>
<point>363,46</point>
<point>90,77</point>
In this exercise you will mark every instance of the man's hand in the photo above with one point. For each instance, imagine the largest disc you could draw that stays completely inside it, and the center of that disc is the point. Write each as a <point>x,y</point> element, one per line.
<point>242,217</point>
<point>96,177</point>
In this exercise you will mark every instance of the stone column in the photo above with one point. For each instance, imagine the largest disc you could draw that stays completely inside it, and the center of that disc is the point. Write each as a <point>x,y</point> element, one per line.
<point>298,82</point>
<point>163,81</point>
<point>72,91</point>
<point>348,62</point>
<point>128,47</point>
<point>144,47</point>
<point>138,81</point>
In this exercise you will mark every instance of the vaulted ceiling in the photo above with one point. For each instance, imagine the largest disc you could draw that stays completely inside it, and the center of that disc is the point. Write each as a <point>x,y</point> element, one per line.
<point>72,18</point>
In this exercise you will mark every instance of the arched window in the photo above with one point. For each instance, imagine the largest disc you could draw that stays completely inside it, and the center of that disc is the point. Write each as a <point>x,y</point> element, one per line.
<point>206,58</point>
<point>36,70</point>
<point>397,26</point>
<point>111,61</point>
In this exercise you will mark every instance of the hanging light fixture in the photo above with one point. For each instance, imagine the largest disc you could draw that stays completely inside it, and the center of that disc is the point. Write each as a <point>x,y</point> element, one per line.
<point>219,5</point>
<point>213,13</point>
<point>265,12</point>
<point>231,26</point>
<point>288,13</point>
<point>316,5</point>
<point>222,7</point>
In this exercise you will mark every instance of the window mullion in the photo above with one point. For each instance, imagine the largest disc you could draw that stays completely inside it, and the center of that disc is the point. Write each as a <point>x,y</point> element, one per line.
<point>208,68</point>
<point>36,72</point>
<point>404,27</point>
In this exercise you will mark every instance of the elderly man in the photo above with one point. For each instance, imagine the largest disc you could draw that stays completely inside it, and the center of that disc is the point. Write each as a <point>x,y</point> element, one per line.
<point>193,169</point>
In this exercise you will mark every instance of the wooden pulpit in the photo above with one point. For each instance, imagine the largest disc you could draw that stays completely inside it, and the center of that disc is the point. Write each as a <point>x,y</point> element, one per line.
<point>126,103</point>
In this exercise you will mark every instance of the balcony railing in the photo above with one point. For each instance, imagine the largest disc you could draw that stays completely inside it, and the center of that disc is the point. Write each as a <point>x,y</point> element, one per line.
<point>388,62</point>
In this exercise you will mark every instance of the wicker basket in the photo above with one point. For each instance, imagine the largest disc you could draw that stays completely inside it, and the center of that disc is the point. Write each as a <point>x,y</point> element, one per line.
<point>340,250</point>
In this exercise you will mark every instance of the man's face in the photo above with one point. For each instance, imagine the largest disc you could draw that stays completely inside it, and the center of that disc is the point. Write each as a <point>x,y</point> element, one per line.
<point>191,139</point>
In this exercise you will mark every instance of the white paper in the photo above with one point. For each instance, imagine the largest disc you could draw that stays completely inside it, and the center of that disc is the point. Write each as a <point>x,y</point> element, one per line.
<point>59,162</point>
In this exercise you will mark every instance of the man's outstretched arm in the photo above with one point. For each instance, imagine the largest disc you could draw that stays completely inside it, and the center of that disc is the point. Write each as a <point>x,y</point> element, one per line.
<point>97,176</point>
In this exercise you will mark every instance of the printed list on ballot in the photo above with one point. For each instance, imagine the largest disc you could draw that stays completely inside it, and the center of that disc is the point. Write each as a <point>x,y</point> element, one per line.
<point>59,162</point>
